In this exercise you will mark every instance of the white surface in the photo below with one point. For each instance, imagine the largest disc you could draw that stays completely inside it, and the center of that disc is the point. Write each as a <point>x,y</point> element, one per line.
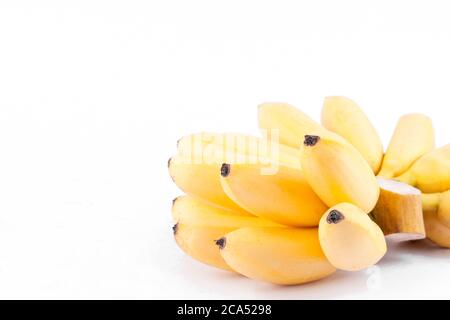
<point>94,95</point>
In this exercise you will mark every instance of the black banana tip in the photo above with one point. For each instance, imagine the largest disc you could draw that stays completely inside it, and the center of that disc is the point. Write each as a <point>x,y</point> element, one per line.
<point>335,217</point>
<point>311,141</point>
<point>225,170</point>
<point>221,242</point>
<point>175,228</point>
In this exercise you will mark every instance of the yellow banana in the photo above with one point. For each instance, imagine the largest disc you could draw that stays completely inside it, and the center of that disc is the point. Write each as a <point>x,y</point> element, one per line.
<point>283,195</point>
<point>200,179</point>
<point>291,123</point>
<point>436,230</point>
<point>198,243</point>
<point>438,203</point>
<point>209,144</point>
<point>195,168</point>
<point>412,138</point>
<point>338,173</point>
<point>199,224</point>
<point>344,117</point>
<point>431,173</point>
<point>284,256</point>
<point>350,239</point>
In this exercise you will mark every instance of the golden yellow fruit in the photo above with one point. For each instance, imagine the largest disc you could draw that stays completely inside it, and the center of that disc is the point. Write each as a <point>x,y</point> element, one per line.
<point>412,138</point>
<point>345,118</point>
<point>199,224</point>
<point>200,180</point>
<point>283,195</point>
<point>291,123</point>
<point>438,203</point>
<point>437,231</point>
<point>338,173</point>
<point>198,242</point>
<point>431,173</point>
<point>350,239</point>
<point>285,256</point>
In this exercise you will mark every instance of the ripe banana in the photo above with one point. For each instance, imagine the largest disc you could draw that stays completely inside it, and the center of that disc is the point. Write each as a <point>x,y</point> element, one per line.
<point>216,145</point>
<point>195,168</point>
<point>291,123</point>
<point>200,180</point>
<point>284,256</point>
<point>344,117</point>
<point>412,138</point>
<point>437,231</point>
<point>438,203</point>
<point>283,196</point>
<point>338,173</point>
<point>199,224</point>
<point>431,173</point>
<point>350,239</point>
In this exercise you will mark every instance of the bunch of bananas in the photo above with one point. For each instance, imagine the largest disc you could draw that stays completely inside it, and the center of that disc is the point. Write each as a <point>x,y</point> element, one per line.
<point>306,199</point>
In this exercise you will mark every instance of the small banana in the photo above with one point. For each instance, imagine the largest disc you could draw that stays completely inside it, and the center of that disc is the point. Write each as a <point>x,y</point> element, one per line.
<point>437,231</point>
<point>283,196</point>
<point>284,256</point>
<point>199,224</point>
<point>345,118</point>
<point>291,123</point>
<point>350,239</point>
<point>431,173</point>
<point>438,203</point>
<point>412,138</point>
<point>200,156</point>
<point>338,173</point>
<point>200,180</point>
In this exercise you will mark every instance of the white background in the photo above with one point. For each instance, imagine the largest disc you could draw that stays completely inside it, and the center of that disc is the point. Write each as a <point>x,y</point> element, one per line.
<point>95,94</point>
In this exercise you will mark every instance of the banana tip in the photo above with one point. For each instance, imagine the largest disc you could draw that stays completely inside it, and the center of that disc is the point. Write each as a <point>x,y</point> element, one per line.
<point>221,243</point>
<point>311,141</point>
<point>335,217</point>
<point>225,170</point>
<point>175,228</point>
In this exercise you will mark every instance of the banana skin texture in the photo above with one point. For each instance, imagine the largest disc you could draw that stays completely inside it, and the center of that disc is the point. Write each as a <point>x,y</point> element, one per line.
<point>350,239</point>
<point>345,118</point>
<point>284,256</point>
<point>283,196</point>
<point>338,173</point>
<point>291,123</point>
<point>199,224</point>
<point>413,137</point>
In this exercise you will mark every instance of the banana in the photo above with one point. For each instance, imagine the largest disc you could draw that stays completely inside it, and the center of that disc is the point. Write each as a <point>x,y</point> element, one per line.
<point>198,243</point>
<point>291,123</point>
<point>345,118</point>
<point>338,173</point>
<point>189,210</point>
<point>216,145</point>
<point>431,173</point>
<point>283,195</point>
<point>284,256</point>
<point>200,180</point>
<point>437,231</point>
<point>438,203</point>
<point>200,156</point>
<point>350,239</point>
<point>199,224</point>
<point>412,138</point>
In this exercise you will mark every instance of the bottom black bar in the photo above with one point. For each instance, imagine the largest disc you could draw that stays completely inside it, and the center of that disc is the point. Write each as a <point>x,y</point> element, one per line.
<point>215,309</point>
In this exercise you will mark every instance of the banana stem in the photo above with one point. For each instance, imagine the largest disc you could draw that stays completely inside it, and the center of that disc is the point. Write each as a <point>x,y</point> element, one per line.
<point>430,201</point>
